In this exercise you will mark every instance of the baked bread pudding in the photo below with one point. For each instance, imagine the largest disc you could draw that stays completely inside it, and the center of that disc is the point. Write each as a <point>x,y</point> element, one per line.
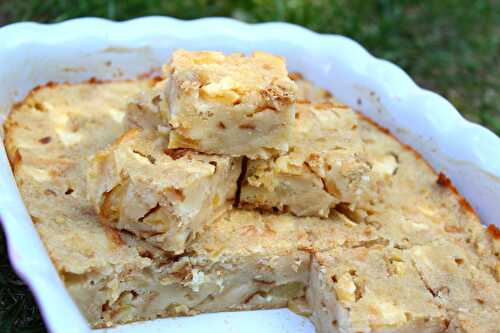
<point>149,209</point>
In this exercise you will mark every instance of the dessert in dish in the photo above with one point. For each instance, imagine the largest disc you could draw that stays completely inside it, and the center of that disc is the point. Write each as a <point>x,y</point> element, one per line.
<point>407,255</point>
<point>229,104</point>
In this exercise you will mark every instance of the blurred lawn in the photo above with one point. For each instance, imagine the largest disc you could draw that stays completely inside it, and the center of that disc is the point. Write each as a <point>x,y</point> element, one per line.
<point>449,46</point>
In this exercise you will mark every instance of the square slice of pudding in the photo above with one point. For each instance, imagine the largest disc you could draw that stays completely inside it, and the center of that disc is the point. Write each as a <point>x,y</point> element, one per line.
<point>230,104</point>
<point>325,165</point>
<point>164,196</point>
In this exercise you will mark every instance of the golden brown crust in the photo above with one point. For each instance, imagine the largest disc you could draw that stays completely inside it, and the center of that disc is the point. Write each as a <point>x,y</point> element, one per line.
<point>443,180</point>
<point>494,231</point>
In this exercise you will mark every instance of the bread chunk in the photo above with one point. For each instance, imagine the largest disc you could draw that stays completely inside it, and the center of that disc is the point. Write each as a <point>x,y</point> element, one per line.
<point>230,104</point>
<point>163,196</point>
<point>325,165</point>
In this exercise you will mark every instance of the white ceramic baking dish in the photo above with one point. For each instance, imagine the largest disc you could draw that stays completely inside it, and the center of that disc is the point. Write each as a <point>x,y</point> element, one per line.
<point>75,50</point>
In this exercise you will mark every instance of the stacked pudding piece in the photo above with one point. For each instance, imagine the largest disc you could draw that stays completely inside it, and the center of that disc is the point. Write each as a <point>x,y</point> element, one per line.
<point>230,184</point>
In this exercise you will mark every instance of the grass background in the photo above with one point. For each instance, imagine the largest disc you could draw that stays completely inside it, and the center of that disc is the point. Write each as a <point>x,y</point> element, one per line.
<point>449,46</point>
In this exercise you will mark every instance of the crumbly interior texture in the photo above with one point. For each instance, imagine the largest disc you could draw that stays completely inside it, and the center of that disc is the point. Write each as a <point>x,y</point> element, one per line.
<point>229,104</point>
<point>324,166</point>
<point>163,196</point>
<point>411,257</point>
